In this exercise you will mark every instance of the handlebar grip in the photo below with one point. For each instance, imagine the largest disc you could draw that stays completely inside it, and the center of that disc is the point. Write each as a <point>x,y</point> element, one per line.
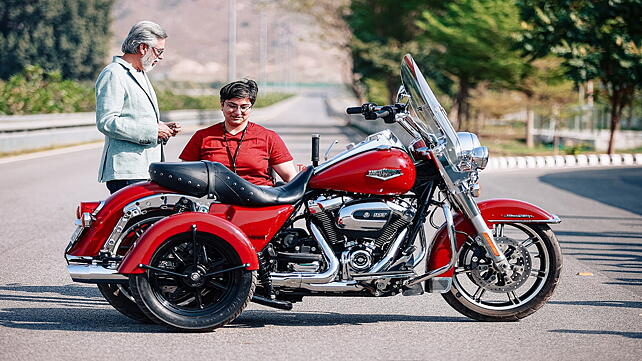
<point>354,110</point>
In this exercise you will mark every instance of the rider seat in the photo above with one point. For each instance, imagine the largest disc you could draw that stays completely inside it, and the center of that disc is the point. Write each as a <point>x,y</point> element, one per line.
<point>217,182</point>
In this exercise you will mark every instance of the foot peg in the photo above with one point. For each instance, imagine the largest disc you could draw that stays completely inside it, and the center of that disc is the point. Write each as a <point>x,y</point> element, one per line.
<point>414,290</point>
<point>282,305</point>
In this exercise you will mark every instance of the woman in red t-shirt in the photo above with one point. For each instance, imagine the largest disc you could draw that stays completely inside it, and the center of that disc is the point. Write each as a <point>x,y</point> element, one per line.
<point>246,148</point>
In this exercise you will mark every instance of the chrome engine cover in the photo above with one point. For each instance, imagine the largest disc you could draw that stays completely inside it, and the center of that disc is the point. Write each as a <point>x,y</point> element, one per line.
<point>366,216</point>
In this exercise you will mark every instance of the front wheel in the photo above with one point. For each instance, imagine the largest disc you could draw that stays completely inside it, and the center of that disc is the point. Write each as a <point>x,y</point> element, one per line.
<point>480,292</point>
<point>196,282</point>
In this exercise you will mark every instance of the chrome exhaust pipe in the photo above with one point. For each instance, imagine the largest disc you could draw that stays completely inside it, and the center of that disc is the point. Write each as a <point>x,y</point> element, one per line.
<point>301,279</point>
<point>343,286</point>
<point>91,273</point>
<point>386,261</point>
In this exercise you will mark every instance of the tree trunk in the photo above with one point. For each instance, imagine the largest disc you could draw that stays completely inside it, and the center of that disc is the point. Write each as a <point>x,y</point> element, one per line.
<point>462,104</point>
<point>530,122</point>
<point>392,83</point>
<point>619,97</point>
<point>616,113</point>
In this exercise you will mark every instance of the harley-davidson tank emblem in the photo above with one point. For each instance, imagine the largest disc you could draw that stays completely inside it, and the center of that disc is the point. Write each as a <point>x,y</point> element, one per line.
<point>384,174</point>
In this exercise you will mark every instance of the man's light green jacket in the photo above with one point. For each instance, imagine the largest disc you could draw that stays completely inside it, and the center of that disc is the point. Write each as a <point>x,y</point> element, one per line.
<point>128,116</point>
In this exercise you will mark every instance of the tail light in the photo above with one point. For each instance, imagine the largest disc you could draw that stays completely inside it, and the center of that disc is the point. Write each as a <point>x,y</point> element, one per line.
<point>85,212</point>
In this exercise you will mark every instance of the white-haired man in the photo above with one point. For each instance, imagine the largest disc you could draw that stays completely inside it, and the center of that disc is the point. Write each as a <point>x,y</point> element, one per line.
<point>127,109</point>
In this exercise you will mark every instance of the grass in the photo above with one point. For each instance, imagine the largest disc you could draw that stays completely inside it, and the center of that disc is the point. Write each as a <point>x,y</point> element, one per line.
<point>509,140</point>
<point>42,149</point>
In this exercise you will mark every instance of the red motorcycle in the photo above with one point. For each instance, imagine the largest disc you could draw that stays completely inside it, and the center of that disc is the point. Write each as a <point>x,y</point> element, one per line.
<point>190,248</point>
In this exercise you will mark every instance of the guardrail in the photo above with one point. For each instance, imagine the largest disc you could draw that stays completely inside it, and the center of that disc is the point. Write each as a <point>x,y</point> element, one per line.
<point>39,131</point>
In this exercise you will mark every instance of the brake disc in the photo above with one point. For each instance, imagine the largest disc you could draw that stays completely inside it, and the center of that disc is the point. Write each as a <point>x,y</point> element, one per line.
<point>485,275</point>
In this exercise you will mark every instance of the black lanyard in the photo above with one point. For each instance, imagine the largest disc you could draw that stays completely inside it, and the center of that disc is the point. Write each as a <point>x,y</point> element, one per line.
<point>238,147</point>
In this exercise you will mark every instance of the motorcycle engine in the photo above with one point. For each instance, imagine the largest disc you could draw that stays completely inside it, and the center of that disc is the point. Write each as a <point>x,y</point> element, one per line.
<point>360,230</point>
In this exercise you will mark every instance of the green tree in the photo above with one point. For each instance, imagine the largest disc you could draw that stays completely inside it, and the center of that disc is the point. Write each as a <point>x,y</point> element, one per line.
<point>70,36</point>
<point>474,41</point>
<point>383,32</point>
<point>597,39</point>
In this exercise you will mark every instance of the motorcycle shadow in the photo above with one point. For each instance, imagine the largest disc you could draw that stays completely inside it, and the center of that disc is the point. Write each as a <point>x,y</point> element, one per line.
<point>82,308</point>
<point>261,318</point>
<point>63,308</point>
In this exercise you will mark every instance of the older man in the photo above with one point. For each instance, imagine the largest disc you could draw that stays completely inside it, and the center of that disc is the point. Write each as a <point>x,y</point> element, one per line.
<point>127,109</point>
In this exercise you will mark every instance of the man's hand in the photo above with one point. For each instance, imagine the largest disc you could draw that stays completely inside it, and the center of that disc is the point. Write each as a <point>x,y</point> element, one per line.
<point>176,127</point>
<point>164,132</point>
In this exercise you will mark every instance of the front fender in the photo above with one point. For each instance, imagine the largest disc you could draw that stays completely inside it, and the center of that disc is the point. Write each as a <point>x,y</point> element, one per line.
<point>143,249</point>
<point>493,211</point>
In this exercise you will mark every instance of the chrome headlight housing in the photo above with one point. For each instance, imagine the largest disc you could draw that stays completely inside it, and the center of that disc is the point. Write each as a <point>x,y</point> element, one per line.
<point>473,155</point>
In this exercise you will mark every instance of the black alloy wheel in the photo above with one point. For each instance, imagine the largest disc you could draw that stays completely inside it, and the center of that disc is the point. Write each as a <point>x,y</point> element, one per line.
<point>480,292</point>
<point>195,281</point>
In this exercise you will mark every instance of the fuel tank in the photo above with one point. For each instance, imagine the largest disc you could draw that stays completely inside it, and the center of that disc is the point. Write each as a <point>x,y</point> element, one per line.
<point>388,171</point>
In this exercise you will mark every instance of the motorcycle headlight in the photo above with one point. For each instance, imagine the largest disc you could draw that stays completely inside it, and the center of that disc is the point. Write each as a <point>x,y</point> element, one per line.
<point>473,156</point>
<point>479,156</point>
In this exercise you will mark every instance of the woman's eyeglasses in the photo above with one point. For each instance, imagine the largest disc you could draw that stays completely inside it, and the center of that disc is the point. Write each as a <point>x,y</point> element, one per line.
<point>234,107</point>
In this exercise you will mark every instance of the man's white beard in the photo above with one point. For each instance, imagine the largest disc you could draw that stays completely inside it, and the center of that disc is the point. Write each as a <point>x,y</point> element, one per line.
<point>147,61</point>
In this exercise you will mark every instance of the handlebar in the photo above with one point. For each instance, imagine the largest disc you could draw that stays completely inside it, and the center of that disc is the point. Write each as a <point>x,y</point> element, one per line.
<point>372,111</point>
<point>353,110</point>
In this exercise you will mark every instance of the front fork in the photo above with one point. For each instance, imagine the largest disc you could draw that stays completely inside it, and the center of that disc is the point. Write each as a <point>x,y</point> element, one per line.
<point>484,235</point>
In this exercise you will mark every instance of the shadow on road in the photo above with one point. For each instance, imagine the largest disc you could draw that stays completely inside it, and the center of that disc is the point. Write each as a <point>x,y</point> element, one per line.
<point>257,318</point>
<point>618,304</point>
<point>77,308</point>
<point>600,332</point>
<point>82,308</point>
<point>618,189</point>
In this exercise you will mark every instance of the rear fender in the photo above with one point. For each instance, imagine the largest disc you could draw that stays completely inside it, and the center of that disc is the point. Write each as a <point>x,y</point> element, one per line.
<point>93,238</point>
<point>159,232</point>
<point>494,211</point>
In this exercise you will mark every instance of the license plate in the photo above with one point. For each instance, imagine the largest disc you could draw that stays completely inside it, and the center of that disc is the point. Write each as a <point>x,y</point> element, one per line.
<point>74,237</point>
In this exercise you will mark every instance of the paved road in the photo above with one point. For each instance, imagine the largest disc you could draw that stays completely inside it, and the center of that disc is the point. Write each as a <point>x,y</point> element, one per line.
<point>43,315</point>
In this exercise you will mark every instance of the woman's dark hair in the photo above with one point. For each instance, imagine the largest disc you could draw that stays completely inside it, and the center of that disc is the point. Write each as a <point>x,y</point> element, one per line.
<point>244,88</point>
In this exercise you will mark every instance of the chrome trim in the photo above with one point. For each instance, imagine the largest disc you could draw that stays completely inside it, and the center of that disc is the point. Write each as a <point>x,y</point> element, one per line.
<point>140,206</point>
<point>91,273</point>
<point>325,155</point>
<point>390,255</point>
<point>554,220</point>
<point>344,286</point>
<point>370,277</point>
<point>300,279</point>
<point>384,174</point>
<point>346,220</point>
<point>83,259</point>
<point>439,284</point>
<point>423,249</point>
<point>100,206</point>
<point>462,198</point>
<point>86,219</point>
<point>372,142</point>
<point>450,227</point>
<point>326,204</point>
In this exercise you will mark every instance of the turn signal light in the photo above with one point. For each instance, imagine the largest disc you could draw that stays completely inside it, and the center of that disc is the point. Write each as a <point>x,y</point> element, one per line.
<point>84,213</point>
<point>86,207</point>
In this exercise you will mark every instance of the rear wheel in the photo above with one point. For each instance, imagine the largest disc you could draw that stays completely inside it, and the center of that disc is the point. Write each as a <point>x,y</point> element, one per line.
<point>482,293</point>
<point>119,295</point>
<point>196,282</point>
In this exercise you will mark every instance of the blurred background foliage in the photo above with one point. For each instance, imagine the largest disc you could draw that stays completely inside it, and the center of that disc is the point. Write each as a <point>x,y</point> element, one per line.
<point>500,66</point>
<point>69,36</point>
<point>35,90</point>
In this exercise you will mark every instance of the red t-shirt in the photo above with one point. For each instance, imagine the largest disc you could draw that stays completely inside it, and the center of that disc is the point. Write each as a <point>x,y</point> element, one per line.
<point>261,148</point>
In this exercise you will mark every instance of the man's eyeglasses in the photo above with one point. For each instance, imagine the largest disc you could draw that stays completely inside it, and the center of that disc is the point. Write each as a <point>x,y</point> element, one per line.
<point>158,51</point>
<point>234,107</point>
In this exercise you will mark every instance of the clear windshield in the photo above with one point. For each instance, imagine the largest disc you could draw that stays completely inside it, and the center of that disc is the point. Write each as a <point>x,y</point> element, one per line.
<point>426,110</point>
